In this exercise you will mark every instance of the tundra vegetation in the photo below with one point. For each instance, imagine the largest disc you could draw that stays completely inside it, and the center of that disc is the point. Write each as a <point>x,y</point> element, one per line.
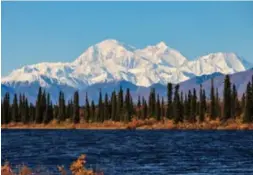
<point>76,168</point>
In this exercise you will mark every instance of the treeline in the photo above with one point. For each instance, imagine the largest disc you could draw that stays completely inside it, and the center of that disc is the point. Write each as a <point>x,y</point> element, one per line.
<point>192,106</point>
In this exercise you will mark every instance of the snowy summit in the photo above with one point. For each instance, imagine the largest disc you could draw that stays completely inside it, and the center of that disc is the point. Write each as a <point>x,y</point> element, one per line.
<point>111,60</point>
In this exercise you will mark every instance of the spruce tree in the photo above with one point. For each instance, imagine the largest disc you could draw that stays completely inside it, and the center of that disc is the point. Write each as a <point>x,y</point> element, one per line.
<point>93,111</point>
<point>128,106</point>
<point>201,105</point>
<point>226,99</point>
<point>15,108</point>
<point>247,117</point>
<point>158,108</point>
<point>213,113</point>
<point>217,104</point>
<point>120,105</point>
<point>193,106</point>
<point>31,113</point>
<point>19,108</point>
<point>46,117</point>
<point>76,117</point>
<point>145,109</point>
<point>23,109</point>
<point>106,108</point>
<point>152,103</point>
<point>186,109</point>
<point>121,97</point>
<point>243,99</point>
<point>139,107</point>
<point>189,103</point>
<point>235,108</point>
<point>169,101</point>
<point>6,109</point>
<point>2,112</point>
<point>26,111</point>
<point>38,117</point>
<point>177,105</point>
<point>204,101</point>
<point>114,106</point>
<point>181,111</point>
<point>87,108</point>
<point>100,108</point>
<point>162,108</point>
<point>61,103</point>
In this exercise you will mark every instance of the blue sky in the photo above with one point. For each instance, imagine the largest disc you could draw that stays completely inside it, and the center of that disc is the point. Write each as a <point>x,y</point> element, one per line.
<point>34,32</point>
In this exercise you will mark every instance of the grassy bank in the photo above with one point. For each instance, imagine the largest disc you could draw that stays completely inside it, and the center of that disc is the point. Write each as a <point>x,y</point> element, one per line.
<point>233,124</point>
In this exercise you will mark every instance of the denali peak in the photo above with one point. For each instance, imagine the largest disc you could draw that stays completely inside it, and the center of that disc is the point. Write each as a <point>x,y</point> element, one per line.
<point>111,60</point>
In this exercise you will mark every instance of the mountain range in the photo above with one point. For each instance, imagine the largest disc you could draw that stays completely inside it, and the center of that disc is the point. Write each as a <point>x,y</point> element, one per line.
<point>111,64</point>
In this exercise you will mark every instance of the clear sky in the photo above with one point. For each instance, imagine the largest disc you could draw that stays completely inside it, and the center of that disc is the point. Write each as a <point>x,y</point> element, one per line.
<point>34,32</point>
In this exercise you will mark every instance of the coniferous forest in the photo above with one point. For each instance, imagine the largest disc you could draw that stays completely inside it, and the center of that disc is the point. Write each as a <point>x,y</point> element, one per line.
<point>193,106</point>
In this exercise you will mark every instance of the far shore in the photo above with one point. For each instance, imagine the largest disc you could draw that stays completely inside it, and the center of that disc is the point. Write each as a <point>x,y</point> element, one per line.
<point>148,124</point>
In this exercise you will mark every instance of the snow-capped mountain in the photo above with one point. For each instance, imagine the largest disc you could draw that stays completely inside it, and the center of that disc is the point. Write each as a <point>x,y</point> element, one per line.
<point>110,61</point>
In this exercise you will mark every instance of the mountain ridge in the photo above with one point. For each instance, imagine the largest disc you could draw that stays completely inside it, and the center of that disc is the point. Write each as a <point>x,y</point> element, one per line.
<point>113,60</point>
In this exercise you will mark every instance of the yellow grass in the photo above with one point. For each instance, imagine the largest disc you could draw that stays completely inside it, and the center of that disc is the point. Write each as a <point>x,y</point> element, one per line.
<point>150,123</point>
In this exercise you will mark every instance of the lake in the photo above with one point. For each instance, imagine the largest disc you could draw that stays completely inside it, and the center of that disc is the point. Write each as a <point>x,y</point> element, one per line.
<point>138,152</point>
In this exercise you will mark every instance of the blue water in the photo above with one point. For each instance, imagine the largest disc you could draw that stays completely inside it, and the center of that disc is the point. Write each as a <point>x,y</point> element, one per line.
<point>122,152</point>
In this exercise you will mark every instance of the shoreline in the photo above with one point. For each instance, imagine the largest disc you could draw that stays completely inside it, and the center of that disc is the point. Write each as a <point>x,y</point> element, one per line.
<point>149,124</point>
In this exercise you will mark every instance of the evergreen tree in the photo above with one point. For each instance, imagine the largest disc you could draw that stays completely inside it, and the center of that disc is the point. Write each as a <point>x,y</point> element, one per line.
<point>6,109</point>
<point>22,106</point>
<point>193,106</point>
<point>76,117</point>
<point>100,108</point>
<point>121,97</point>
<point>169,105</point>
<point>204,101</point>
<point>235,106</point>
<point>19,108</point>
<point>69,111</point>
<point>114,106</point>
<point>15,109</point>
<point>181,111</point>
<point>26,111</point>
<point>87,108</point>
<point>145,109</point>
<point>106,108</point>
<point>120,105</point>
<point>243,99</point>
<point>2,112</point>
<point>247,117</point>
<point>213,113</point>
<point>152,102</point>
<point>186,107</point>
<point>162,108</point>
<point>93,110</point>
<point>217,104</point>
<point>227,98</point>
<point>62,107</point>
<point>158,109</point>
<point>177,105</point>
<point>32,112</point>
<point>38,117</point>
<point>128,106</point>
<point>139,107</point>
<point>189,104</point>
<point>201,105</point>
<point>47,113</point>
